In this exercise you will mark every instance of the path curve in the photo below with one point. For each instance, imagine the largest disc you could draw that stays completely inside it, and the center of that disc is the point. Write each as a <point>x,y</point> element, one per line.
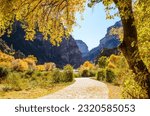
<point>83,88</point>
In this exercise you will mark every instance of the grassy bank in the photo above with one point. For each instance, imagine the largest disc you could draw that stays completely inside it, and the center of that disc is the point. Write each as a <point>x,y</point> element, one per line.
<point>114,91</point>
<point>32,93</point>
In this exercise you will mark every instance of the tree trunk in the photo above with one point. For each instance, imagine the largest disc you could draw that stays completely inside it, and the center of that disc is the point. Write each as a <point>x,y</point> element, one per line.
<point>129,46</point>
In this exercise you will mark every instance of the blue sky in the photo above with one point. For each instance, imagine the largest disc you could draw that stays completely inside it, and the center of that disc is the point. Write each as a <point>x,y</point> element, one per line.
<point>93,27</point>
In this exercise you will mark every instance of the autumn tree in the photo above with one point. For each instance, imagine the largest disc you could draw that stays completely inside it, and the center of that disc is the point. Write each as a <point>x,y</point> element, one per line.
<point>129,45</point>
<point>53,18</point>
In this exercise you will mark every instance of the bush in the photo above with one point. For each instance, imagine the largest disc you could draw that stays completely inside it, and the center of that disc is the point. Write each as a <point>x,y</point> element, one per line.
<point>132,89</point>
<point>42,81</point>
<point>3,73</point>
<point>102,62</point>
<point>56,76</point>
<point>19,65</point>
<point>101,74</point>
<point>29,72</point>
<point>5,58</point>
<point>40,68</point>
<point>49,66</point>
<point>77,75</point>
<point>87,73</point>
<point>88,65</point>
<point>67,74</point>
<point>31,61</point>
<point>110,75</point>
<point>16,82</point>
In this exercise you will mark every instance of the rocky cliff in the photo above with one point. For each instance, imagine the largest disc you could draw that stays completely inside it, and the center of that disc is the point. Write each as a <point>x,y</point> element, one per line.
<point>82,47</point>
<point>109,42</point>
<point>67,53</point>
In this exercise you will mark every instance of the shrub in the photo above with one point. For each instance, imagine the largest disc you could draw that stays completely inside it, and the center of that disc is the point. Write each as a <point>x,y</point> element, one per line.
<point>132,89</point>
<point>16,82</point>
<point>77,75</point>
<point>85,73</point>
<point>111,65</point>
<point>56,76</point>
<point>110,75</point>
<point>19,65</point>
<point>42,81</point>
<point>101,74</point>
<point>29,72</point>
<point>88,65</point>
<point>49,66</point>
<point>7,88</point>
<point>40,68</point>
<point>67,74</point>
<point>3,73</point>
<point>31,61</point>
<point>102,62</point>
<point>5,58</point>
<point>6,64</point>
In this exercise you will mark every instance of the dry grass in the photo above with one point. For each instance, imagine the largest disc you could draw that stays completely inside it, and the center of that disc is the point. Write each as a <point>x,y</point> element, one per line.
<point>114,91</point>
<point>33,93</point>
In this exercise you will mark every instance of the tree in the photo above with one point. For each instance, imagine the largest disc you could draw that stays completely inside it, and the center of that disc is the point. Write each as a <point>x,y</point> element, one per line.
<point>102,62</point>
<point>129,45</point>
<point>53,18</point>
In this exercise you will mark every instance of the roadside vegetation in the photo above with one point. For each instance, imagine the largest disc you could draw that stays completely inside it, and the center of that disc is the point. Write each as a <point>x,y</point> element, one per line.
<point>22,78</point>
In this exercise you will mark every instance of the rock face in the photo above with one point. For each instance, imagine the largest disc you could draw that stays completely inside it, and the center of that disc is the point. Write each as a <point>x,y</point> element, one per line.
<point>4,47</point>
<point>82,47</point>
<point>109,42</point>
<point>67,53</point>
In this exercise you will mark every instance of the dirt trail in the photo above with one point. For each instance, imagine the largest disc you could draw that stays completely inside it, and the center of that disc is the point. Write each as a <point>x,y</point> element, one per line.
<point>83,88</point>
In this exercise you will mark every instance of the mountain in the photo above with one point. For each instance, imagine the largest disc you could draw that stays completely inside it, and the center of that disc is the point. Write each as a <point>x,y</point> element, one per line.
<point>82,47</point>
<point>4,47</point>
<point>109,42</point>
<point>67,53</point>
<point>9,50</point>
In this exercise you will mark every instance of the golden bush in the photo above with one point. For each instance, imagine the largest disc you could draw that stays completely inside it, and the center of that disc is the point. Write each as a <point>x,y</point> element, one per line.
<point>5,58</point>
<point>19,65</point>
<point>40,68</point>
<point>49,66</point>
<point>88,65</point>
<point>31,61</point>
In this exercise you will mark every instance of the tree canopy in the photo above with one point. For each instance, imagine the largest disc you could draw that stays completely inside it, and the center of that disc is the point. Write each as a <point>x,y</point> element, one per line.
<point>53,18</point>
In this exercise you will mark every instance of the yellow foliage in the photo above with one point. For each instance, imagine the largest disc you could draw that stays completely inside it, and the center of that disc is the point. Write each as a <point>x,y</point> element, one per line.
<point>88,65</point>
<point>31,61</point>
<point>111,65</point>
<point>5,64</point>
<point>5,58</point>
<point>49,66</point>
<point>19,65</point>
<point>53,17</point>
<point>40,68</point>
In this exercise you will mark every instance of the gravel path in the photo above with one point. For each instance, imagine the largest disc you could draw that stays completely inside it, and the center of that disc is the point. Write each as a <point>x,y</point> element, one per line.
<point>83,88</point>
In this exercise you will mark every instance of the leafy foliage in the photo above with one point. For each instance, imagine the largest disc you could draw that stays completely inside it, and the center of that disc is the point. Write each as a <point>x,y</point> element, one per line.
<point>54,18</point>
<point>110,75</point>
<point>3,73</point>
<point>87,69</point>
<point>68,73</point>
<point>102,62</point>
<point>101,75</point>
<point>19,65</point>
<point>131,88</point>
<point>49,66</point>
